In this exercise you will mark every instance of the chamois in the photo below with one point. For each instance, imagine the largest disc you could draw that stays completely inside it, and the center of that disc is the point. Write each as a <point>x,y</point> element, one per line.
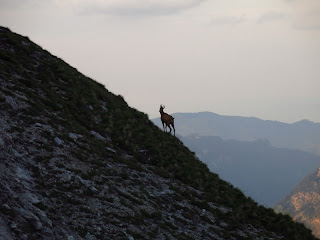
<point>166,120</point>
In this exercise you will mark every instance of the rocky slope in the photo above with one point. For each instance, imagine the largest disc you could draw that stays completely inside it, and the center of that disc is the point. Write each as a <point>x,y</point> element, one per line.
<point>303,203</point>
<point>77,163</point>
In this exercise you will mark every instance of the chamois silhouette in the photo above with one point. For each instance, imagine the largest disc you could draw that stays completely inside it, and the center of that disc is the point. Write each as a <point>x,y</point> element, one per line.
<point>167,120</point>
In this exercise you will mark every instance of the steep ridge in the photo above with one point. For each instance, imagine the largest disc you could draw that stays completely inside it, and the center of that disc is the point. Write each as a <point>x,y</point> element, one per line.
<point>303,202</point>
<point>77,163</point>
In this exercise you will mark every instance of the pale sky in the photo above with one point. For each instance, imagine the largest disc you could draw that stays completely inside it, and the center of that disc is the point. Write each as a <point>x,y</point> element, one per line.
<point>246,58</point>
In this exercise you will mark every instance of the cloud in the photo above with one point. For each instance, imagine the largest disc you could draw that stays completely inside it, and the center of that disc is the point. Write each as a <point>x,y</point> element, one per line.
<point>228,20</point>
<point>14,4</point>
<point>307,27</point>
<point>308,20</point>
<point>8,4</point>
<point>305,14</point>
<point>130,7</point>
<point>271,16</point>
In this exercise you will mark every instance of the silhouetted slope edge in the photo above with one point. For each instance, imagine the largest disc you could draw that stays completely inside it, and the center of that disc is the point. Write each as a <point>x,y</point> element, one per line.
<point>78,163</point>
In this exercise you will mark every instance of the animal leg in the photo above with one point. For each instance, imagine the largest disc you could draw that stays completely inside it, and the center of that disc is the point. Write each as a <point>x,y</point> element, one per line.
<point>169,127</point>
<point>174,130</point>
<point>164,127</point>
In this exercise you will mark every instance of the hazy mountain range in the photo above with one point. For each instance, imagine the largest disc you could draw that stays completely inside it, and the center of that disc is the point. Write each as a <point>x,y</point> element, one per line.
<point>265,159</point>
<point>76,162</point>
<point>264,172</point>
<point>303,135</point>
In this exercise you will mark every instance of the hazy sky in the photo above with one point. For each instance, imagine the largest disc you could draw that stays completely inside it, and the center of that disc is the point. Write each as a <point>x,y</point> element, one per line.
<point>249,58</point>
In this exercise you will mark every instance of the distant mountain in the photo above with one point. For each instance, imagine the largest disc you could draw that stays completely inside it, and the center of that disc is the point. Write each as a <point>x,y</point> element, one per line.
<point>263,172</point>
<point>76,162</point>
<point>303,202</point>
<point>303,135</point>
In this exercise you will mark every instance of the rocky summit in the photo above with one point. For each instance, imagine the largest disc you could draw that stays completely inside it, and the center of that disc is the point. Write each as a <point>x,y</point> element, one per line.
<point>303,202</point>
<point>76,162</point>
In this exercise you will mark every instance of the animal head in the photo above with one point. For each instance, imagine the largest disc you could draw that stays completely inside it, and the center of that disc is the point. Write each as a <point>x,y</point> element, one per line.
<point>161,108</point>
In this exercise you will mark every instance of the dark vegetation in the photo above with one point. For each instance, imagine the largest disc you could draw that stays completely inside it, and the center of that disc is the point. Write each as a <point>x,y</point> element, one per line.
<point>69,100</point>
